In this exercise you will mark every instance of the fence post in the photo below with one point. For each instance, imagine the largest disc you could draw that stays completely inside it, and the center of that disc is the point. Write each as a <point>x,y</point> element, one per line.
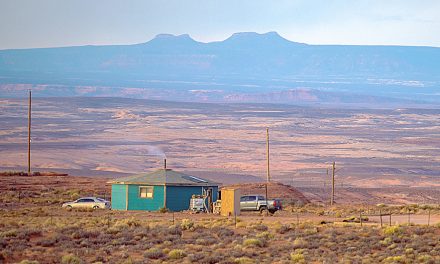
<point>390,218</point>
<point>429,216</point>
<point>380,213</point>
<point>360,217</point>
<point>409,216</point>
<point>235,218</point>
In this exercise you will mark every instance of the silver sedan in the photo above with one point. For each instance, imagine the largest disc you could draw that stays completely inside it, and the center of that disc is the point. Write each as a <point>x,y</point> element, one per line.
<point>88,202</point>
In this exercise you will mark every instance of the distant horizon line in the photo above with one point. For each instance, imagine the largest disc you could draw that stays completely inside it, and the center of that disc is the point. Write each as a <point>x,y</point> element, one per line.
<point>186,35</point>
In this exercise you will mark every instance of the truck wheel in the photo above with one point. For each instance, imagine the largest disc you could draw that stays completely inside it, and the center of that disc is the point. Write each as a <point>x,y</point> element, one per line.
<point>263,210</point>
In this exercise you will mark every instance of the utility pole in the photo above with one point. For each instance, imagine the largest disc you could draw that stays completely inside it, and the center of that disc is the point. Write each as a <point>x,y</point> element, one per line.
<point>267,153</point>
<point>268,168</point>
<point>29,132</point>
<point>332,200</point>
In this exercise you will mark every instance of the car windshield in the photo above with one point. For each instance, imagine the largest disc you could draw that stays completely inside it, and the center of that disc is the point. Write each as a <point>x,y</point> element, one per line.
<point>101,200</point>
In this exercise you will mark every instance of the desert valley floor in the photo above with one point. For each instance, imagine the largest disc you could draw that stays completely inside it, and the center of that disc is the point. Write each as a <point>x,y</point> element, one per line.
<point>387,154</point>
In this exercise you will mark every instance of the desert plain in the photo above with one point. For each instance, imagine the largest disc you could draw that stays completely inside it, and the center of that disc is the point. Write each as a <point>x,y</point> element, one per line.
<point>381,155</point>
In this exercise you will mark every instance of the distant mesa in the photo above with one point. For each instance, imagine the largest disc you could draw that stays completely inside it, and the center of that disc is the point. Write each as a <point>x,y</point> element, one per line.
<point>271,36</point>
<point>171,37</point>
<point>246,67</point>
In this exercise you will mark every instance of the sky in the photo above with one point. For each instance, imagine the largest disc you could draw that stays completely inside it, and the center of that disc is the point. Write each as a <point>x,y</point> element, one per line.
<point>56,23</point>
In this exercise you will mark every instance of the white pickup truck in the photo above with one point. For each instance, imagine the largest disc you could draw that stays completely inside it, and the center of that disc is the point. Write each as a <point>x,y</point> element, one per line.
<point>259,203</point>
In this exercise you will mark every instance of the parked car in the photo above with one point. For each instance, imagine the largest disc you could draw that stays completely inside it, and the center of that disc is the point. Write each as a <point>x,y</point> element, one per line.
<point>88,202</point>
<point>259,203</point>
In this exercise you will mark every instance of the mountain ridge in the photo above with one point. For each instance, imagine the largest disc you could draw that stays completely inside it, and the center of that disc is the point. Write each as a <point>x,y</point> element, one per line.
<point>234,35</point>
<point>246,63</point>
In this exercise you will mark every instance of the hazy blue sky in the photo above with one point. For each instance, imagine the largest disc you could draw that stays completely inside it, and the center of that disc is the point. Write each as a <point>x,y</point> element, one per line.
<point>49,23</point>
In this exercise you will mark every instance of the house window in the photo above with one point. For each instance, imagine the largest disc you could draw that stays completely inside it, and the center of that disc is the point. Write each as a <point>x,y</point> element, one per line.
<point>146,191</point>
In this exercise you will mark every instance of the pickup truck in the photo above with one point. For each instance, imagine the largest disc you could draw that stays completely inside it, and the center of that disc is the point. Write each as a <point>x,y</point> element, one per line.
<point>259,203</point>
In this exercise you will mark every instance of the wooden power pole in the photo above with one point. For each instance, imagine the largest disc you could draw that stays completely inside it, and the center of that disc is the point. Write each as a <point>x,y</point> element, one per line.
<point>332,199</point>
<point>29,132</point>
<point>267,154</point>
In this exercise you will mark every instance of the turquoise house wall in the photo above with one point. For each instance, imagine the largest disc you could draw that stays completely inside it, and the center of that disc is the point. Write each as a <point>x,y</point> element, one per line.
<point>147,204</point>
<point>118,196</point>
<point>178,197</point>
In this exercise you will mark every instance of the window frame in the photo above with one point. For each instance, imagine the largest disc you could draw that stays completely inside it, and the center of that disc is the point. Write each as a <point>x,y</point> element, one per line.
<point>152,192</point>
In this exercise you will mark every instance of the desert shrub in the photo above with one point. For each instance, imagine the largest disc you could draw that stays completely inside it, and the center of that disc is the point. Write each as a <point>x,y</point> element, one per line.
<point>81,234</point>
<point>3,243</point>
<point>409,251</point>
<point>283,229</point>
<point>50,242</point>
<point>128,260</point>
<point>186,224</point>
<point>244,225</point>
<point>172,230</point>
<point>212,258</point>
<point>253,242</point>
<point>70,259</point>
<point>386,241</point>
<point>9,233</point>
<point>424,259</point>
<point>265,235</point>
<point>392,230</point>
<point>311,231</point>
<point>176,254</point>
<point>244,260</point>
<point>163,210</point>
<point>27,233</point>
<point>297,257</point>
<point>260,227</point>
<point>196,258</point>
<point>74,196</point>
<point>99,258</point>
<point>69,230</point>
<point>154,253</point>
<point>206,241</point>
<point>420,231</point>
<point>299,243</point>
<point>128,222</point>
<point>25,261</point>
<point>222,232</point>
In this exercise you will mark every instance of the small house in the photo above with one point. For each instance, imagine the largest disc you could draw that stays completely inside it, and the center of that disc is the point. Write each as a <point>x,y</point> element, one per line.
<point>164,188</point>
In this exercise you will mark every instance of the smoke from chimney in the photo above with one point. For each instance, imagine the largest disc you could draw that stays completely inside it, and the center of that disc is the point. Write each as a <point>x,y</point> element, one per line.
<point>156,151</point>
